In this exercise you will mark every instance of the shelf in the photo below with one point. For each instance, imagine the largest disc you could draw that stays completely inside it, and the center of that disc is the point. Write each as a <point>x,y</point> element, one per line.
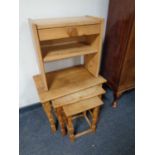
<point>65,82</point>
<point>57,52</point>
<point>62,22</point>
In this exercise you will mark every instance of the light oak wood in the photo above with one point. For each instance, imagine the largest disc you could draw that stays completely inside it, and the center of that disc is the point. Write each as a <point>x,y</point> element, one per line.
<point>89,123</point>
<point>65,82</point>
<point>61,121</point>
<point>62,38</point>
<point>77,116</point>
<point>70,129</point>
<point>80,95</point>
<point>91,113</point>
<point>81,106</point>
<point>92,61</point>
<point>65,21</point>
<point>67,32</point>
<point>83,133</point>
<point>52,53</point>
<point>63,41</point>
<point>95,117</point>
<point>74,110</point>
<point>47,108</point>
<point>39,53</point>
<point>87,28</point>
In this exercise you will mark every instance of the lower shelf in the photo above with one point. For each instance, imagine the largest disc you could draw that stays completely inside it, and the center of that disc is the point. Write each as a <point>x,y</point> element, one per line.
<point>53,53</point>
<point>66,81</point>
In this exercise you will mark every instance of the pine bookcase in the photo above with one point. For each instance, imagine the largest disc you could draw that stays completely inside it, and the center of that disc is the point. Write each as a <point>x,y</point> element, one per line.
<point>61,38</point>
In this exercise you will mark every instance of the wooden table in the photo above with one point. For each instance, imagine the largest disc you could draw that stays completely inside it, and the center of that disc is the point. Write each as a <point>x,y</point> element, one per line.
<point>67,86</point>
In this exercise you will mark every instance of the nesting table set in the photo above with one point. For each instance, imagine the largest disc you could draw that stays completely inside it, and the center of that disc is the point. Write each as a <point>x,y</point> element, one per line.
<point>76,91</point>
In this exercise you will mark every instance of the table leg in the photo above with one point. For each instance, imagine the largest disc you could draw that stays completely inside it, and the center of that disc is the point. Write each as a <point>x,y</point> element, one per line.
<point>61,120</point>
<point>70,129</point>
<point>48,108</point>
<point>117,95</point>
<point>95,118</point>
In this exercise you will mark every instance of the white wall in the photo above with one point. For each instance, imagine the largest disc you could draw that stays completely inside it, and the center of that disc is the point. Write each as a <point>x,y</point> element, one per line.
<point>47,9</point>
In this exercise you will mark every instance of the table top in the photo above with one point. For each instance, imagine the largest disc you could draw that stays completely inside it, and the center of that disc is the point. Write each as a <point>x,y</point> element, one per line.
<point>65,82</point>
<point>66,21</point>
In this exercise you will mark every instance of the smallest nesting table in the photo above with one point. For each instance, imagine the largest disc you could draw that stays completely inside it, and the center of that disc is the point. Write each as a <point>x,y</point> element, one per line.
<point>79,109</point>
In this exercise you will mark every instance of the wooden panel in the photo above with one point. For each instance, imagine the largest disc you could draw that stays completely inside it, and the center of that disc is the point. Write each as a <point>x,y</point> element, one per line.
<point>39,54</point>
<point>128,70</point>
<point>62,22</point>
<point>65,82</point>
<point>81,95</point>
<point>92,61</point>
<point>119,24</point>
<point>66,32</point>
<point>66,51</point>
<point>81,106</point>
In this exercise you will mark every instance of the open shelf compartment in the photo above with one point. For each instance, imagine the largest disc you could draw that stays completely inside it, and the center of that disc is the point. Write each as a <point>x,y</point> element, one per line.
<point>67,48</point>
<point>58,52</point>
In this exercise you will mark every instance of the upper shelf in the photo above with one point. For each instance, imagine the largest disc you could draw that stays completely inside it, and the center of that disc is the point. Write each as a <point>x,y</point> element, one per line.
<point>57,52</point>
<point>68,21</point>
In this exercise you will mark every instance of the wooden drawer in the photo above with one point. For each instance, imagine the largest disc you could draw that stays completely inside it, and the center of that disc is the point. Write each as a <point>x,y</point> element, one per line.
<point>65,32</point>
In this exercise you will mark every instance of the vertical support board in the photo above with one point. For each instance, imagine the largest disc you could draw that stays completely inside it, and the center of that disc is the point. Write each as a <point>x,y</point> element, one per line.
<point>92,61</point>
<point>39,53</point>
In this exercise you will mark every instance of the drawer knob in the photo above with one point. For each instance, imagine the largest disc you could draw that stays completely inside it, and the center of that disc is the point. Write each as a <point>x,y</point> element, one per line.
<point>72,31</point>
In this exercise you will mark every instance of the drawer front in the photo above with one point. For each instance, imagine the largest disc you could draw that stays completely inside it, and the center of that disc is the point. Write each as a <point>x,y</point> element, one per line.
<point>66,32</point>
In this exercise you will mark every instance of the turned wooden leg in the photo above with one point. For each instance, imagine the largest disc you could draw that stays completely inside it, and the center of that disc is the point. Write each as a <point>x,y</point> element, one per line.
<point>70,129</point>
<point>116,98</point>
<point>61,120</point>
<point>95,118</point>
<point>47,108</point>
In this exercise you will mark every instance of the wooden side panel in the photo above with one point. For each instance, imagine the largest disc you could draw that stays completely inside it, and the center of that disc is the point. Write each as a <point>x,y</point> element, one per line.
<point>120,21</point>
<point>128,71</point>
<point>92,61</point>
<point>39,54</point>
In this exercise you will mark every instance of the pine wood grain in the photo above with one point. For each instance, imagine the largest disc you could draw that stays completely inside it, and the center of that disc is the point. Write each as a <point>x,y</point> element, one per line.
<point>39,53</point>
<point>81,106</point>
<point>67,32</point>
<point>81,95</point>
<point>66,21</point>
<point>66,81</point>
<point>92,61</point>
<point>57,52</point>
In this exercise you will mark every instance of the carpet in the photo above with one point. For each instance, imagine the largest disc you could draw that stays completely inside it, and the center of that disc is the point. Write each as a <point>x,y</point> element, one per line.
<point>115,134</point>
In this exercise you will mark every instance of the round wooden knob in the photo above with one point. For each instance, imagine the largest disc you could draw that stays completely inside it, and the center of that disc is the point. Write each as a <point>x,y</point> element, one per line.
<point>72,31</point>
